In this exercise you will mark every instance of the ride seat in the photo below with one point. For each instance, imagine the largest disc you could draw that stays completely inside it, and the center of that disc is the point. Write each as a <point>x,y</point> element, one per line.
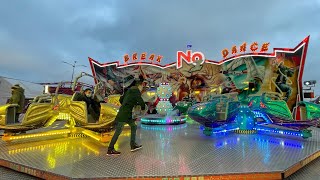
<point>75,95</point>
<point>90,119</point>
<point>11,114</point>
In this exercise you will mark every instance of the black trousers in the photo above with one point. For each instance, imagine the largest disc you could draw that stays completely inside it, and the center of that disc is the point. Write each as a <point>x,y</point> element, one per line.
<point>119,128</point>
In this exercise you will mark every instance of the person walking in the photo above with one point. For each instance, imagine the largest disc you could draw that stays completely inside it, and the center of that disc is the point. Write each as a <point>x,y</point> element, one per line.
<point>131,98</point>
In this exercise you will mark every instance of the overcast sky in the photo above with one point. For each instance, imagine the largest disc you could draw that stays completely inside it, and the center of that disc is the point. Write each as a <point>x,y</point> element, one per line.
<point>36,35</point>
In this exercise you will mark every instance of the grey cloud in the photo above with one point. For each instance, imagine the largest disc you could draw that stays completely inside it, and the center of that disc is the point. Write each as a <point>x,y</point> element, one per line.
<point>48,32</point>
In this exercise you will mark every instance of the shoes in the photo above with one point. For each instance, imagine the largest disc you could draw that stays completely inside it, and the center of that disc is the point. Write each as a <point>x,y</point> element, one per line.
<point>135,147</point>
<point>113,152</point>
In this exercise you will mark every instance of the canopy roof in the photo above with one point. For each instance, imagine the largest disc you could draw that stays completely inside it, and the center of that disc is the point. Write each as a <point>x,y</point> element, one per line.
<point>31,89</point>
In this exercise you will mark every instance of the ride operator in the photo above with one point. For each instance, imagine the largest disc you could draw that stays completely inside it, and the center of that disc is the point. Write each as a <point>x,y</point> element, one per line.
<point>129,100</point>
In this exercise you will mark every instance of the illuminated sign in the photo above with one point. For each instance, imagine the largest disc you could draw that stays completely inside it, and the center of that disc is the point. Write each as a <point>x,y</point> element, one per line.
<point>242,49</point>
<point>142,57</point>
<point>191,57</point>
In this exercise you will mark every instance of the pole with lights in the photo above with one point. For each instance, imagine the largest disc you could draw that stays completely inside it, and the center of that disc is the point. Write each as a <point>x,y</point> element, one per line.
<point>310,84</point>
<point>74,65</point>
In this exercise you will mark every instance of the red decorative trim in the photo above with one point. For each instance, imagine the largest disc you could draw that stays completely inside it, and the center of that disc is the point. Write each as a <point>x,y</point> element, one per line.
<point>273,54</point>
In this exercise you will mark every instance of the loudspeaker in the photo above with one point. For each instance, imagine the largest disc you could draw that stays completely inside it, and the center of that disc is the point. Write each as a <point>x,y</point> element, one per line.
<point>308,95</point>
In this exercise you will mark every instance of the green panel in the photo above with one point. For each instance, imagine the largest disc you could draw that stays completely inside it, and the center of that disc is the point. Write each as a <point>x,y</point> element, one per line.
<point>278,108</point>
<point>312,110</point>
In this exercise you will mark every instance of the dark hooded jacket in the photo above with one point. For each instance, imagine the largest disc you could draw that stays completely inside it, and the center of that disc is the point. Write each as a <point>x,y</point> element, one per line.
<point>131,98</point>
<point>18,97</point>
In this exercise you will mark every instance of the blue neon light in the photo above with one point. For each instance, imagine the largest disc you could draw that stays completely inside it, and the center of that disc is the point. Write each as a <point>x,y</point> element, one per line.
<point>259,114</point>
<point>281,142</point>
<point>163,128</point>
<point>163,120</point>
<point>217,131</point>
<point>286,132</point>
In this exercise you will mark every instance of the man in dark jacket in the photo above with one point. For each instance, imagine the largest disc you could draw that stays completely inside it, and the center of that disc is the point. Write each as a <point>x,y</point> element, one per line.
<point>17,97</point>
<point>93,105</point>
<point>131,98</point>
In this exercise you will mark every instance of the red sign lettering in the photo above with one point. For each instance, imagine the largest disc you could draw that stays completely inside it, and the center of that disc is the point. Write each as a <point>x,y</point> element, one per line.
<point>265,47</point>
<point>126,58</point>
<point>254,46</point>
<point>134,56</point>
<point>159,58</point>
<point>151,57</point>
<point>225,53</point>
<point>189,57</point>
<point>143,56</point>
<point>234,50</point>
<point>243,47</point>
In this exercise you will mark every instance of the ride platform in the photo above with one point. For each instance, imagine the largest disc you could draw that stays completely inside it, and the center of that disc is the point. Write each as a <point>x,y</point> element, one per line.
<point>170,152</point>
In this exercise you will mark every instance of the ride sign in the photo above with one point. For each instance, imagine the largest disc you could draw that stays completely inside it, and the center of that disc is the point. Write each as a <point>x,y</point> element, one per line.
<point>142,57</point>
<point>191,57</point>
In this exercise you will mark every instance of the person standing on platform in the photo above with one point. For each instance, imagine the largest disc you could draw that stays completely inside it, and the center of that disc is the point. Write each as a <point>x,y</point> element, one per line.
<point>18,98</point>
<point>131,98</point>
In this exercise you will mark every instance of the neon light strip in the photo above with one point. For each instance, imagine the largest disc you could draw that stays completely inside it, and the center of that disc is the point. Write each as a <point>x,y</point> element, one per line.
<point>25,136</point>
<point>220,130</point>
<point>91,134</point>
<point>280,142</point>
<point>285,132</point>
<point>39,147</point>
<point>224,130</point>
<point>162,121</point>
<point>262,115</point>
<point>163,128</point>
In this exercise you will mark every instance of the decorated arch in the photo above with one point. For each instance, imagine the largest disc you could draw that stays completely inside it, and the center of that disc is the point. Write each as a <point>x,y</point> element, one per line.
<point>192,74</point>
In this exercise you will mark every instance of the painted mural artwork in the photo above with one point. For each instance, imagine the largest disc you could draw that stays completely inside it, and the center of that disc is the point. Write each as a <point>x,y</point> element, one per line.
<point>244,75</point>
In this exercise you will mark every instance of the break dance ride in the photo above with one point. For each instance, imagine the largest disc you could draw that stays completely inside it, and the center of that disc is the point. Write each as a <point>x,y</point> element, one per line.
<point>259,95</point>
<point>244,94</point>
<point>264,114</point>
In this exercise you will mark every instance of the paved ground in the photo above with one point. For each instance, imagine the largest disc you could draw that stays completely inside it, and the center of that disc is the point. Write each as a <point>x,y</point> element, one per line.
<point>168,150</point>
